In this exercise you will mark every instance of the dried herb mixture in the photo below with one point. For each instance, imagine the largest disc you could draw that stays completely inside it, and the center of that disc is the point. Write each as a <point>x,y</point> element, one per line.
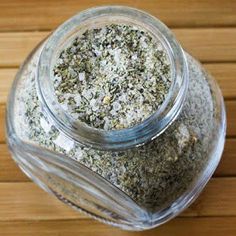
<point>112,77</point>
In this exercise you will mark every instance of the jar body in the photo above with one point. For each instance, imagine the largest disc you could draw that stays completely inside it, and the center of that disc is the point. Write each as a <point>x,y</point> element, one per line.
<point>137,188</point>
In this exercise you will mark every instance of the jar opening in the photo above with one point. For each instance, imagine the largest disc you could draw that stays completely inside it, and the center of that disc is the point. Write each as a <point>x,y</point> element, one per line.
<point>140,133</point>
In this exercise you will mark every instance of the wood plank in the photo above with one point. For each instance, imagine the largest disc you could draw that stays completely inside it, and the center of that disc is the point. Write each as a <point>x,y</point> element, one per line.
<point>10,172</point>
<point>44,14</point>
<point>223,72</point>
<point>29,202</point>
<point>216,226</point>
<point>217,199</point>
<point>227,166</point>
<point>207,48</point>
<point>231,117</point>
<point>201,43</point>
<point>26,201</point>
<point>6,79</point>
<point>211,44</point>
<point>14,47</point>
<point>2,124</point>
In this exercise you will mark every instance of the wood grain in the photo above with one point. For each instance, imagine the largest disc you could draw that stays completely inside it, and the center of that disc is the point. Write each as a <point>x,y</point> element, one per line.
<point>6,79</point>
<point>211,44</point>
<point>215,200</point>
<point>10,172</point>
<point>26,201</point>
<point>206,29</point>
<point>47,14</point>
<point>2,124</point>
<point>206,226</point>
<point>14,47</point>
<point>223,72</point>
<point>231,117</point>
<point>208,45</point>
<point>227,166</point>
<point>29,202</point>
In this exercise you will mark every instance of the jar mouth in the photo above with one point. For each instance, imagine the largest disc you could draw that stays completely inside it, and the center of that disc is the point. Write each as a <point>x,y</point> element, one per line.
<point>133,136</point>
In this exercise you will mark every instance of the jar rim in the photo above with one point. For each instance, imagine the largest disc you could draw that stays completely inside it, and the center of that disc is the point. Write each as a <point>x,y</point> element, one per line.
<point>130,137</point>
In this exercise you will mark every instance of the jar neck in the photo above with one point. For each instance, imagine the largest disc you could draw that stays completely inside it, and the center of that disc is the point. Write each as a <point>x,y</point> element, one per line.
<point>113,139</point>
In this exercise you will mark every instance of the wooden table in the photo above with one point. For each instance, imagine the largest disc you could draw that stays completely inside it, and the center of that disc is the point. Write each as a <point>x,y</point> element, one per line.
<point>207,29</point>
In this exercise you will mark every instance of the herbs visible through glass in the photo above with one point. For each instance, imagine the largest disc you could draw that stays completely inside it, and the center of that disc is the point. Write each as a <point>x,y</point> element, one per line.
<point>153,175</point>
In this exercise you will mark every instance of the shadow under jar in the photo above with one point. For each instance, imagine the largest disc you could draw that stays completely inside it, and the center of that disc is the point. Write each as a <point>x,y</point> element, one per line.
<point>136,177</point>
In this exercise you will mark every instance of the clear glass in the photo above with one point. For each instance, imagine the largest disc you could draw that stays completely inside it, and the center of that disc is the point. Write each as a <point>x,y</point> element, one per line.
<point>136,178</point>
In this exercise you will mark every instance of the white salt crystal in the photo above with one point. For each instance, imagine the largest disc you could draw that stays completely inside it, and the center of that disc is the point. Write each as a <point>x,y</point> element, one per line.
<point>64,106</point>
<point>45,125</point>
<point>77,99</point>
<point>64,142</point>
<point>93,104</point>
<point>87,94</point>
<point>97,52</point>
<point>82,76</point>
<point>116,106</point>
<point>106,124</point>
<point>159,47</point>
<point>117,55</point>
<point>134,57</point>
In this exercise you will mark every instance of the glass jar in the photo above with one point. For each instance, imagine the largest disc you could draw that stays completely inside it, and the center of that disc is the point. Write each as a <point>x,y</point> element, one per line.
<point>135,178</point>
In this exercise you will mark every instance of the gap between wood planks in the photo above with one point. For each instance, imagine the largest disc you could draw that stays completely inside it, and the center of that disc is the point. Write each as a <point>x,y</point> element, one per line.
<point>29,202</point>
<point>37,15</point>
<point>204,226</point>
<point>207,45</point>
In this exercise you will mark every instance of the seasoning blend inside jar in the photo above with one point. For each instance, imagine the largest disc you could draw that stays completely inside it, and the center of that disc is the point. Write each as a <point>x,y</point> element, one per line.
<point>111,116</point>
